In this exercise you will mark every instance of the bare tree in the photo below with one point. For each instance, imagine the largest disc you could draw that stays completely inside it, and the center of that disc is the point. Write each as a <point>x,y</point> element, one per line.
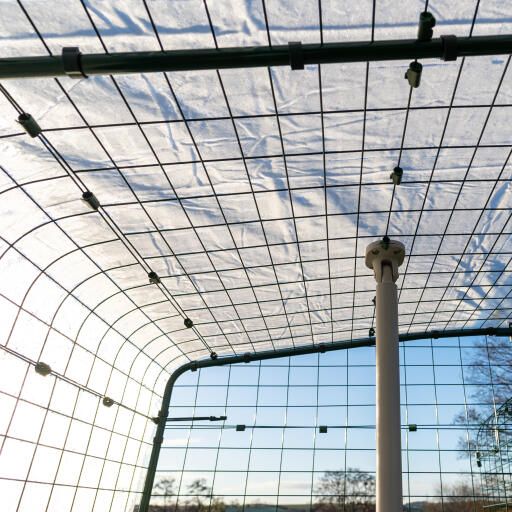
<point>489,373</point>
<point>349,491</point>
<point>202,498</point>
<point>165,487</point>
<point>458,497</point>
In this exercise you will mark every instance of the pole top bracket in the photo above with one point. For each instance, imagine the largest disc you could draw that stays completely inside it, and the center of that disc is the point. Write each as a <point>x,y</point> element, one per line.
<point>383,252</point>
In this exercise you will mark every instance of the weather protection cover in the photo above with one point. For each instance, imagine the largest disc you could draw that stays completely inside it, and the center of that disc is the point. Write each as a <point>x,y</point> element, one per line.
<point>251,194</point>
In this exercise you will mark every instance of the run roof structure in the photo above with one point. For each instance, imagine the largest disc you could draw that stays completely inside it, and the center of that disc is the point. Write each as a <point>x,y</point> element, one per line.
<point>252,194</point>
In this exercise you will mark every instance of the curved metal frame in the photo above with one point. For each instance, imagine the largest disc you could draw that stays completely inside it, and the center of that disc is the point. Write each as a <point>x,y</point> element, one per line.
<point>287,352</point>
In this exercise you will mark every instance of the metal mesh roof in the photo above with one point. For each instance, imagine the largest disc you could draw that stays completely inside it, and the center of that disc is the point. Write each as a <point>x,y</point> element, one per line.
<point>251,193</point>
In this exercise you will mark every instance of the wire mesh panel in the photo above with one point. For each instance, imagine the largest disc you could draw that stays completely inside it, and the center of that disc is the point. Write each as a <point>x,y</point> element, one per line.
<point>494,457</point>
<point>300,431</point>
<point>232,210</point>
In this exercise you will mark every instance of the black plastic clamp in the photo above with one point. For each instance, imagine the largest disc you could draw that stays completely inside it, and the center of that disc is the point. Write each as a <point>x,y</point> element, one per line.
<point>90,200</point>
<point>107,401</point>
<point>153,278</point>
<point>29,124</point>
<point>71,60</point>
<point>398,173</point>
<point>449,48</point>
<point>426,24</point>
<point>413,74</point>
<point>296,55</point>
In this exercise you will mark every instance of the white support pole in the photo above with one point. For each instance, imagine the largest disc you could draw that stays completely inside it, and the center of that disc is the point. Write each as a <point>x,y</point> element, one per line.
<point>384,257</point>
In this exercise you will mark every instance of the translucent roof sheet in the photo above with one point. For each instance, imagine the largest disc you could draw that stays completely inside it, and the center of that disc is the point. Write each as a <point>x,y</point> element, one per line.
<point>252,193</point>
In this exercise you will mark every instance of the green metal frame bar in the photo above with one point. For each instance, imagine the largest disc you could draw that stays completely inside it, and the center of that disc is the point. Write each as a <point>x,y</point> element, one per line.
<point>260,356</point>
<point>186,60</point>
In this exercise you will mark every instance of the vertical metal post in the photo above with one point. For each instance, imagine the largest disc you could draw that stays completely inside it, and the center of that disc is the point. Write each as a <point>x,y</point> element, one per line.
<point>384,258</point>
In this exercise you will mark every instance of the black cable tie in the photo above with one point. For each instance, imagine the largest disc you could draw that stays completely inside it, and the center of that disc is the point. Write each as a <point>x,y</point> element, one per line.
<point>296,55</point>
<point>449,48</point>
<point>71,60</point>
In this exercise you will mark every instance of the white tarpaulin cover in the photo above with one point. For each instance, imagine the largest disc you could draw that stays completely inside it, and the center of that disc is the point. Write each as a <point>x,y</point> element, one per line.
<point>252,193</point>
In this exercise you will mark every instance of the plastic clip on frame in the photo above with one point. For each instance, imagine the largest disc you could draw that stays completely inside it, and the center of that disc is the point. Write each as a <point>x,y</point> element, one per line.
<point>449,48</point>
<point>71,60</point>
<point>296,55</point>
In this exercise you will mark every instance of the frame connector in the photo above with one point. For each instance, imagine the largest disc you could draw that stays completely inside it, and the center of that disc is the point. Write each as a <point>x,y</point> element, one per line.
<point>90,200</point>
<point>398,172</point>
<point>449,48</point>
<point>29,124</point>
<point>153,278</point>
<point>42,368</point>
<point>413,74</point>
<point>296,55</point>
<point>71,60</point>
<point>426,24</point>
<point>107,401</point>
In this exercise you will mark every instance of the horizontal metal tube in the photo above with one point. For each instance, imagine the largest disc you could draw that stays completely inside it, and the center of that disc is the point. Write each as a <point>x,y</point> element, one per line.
<point>256,56</point>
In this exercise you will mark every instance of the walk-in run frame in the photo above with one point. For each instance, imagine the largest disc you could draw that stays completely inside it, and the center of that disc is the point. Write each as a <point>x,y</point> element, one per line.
<point>185,187</point>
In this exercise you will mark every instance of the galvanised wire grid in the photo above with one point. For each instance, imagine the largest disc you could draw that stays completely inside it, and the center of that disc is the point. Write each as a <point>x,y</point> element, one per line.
<point>494,457</point>
<point>300,432</point>
<point>251,193</point>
